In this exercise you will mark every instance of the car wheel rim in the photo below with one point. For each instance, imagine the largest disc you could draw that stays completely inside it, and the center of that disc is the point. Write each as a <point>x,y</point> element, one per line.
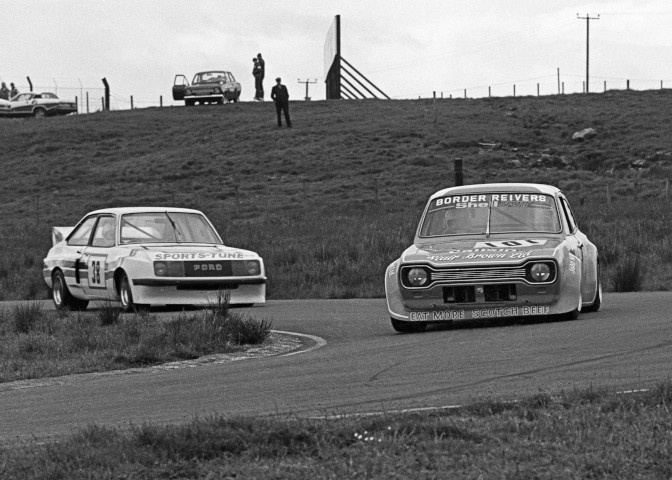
<point>58,294</point>
<point>125,294</point>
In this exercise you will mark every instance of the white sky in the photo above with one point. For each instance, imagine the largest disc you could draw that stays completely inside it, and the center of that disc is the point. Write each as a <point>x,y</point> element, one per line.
<point>409,48</point>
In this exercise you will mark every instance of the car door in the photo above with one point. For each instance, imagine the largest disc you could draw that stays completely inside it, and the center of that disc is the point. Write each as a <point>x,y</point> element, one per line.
<point>179,86</point>
<point>22,104</point>
<point>71,261</point>
<point>98,282</point>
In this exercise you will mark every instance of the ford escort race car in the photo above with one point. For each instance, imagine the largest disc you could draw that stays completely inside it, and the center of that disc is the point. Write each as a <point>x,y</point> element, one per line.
<point>149,256</point>
<point>207,87</point>
<point>493,251</point>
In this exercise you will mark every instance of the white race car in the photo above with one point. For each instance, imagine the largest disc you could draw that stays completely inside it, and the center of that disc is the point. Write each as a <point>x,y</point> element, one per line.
<point>493,251</point>
<point>149,256</point>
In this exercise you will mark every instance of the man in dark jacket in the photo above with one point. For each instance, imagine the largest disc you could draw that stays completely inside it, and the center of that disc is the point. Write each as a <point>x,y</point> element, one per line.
<point>280,96</point>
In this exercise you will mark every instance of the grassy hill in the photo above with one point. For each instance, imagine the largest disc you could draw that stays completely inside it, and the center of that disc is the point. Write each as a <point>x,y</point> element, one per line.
<point>332,201</point>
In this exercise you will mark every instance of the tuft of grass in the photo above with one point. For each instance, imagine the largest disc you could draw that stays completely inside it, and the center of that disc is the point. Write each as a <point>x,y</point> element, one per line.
<point>109,314</point>
<point>629,274</point>
<point>26,316</point>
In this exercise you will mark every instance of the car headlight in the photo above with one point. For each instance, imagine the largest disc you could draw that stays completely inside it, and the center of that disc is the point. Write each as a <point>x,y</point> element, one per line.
<point>417,277</point>
<point>541,272</point>
<point>169,269</point>
<point>246,268</point>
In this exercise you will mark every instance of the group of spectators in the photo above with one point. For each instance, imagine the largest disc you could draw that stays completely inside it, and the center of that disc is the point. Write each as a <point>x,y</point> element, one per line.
<point>279,93</point>
<point>7,93</point>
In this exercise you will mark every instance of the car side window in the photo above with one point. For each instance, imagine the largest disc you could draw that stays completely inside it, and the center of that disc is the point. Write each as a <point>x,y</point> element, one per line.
<point>80,236</point>
<point>569,217</point>
<point>104,236</point>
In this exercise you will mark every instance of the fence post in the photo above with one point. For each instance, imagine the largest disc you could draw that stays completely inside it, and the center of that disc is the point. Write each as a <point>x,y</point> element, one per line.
<point>489,92</point>
<point>459,178</point>
<point>514,89</point>
<point>465,93</point>
<point>161,101</point>
<point>605,85</point>
<point>107,94</point>
<point>537,89</point>
<point>87,102</point>
<point>76,104</point>
<point>131,102</point>
<point>627,84</point>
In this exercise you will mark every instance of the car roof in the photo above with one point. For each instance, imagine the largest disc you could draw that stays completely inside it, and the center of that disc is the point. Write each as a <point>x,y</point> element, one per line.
<point>497,187</point>
<point>124,210</point>
<point>212,71</point>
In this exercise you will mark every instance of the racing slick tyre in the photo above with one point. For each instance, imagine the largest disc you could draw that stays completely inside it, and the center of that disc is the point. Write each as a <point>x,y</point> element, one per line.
<point>62,297</point>
<point>126,296</point>
<point>189,103</point>
<point>597,303</point>
<point>39,112</point>
<point>408,327</point>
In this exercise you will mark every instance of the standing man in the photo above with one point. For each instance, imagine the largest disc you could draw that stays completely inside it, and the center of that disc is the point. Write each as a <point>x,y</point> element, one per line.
<point>256,72</point>
<point>280,96</point>
<point>262,66</point>
<point>4,91</point>
<point>14,91</point>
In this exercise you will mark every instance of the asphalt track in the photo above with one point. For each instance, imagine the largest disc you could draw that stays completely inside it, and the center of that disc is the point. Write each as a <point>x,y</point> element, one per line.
<point>365,367</point>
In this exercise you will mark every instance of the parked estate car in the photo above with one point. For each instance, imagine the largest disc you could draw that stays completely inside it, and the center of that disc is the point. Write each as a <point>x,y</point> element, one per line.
<point>493,251</point>
<point>207,87</point>
<point>36,105</point>
<point>149,256</point>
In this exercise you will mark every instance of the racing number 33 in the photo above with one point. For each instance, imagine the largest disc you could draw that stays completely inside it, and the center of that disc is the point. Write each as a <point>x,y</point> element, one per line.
<point>96,268</point>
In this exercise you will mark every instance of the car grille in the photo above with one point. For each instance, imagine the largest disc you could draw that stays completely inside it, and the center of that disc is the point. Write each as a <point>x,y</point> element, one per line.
<point>477,274</point>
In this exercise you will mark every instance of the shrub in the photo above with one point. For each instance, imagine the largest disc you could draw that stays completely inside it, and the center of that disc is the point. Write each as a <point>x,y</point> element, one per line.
<point>629,274</point>
<point>109,314</point>
<point>26,316</point>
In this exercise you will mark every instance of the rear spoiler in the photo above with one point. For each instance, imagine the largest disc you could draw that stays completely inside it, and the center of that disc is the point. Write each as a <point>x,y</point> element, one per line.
<point>58,234</point>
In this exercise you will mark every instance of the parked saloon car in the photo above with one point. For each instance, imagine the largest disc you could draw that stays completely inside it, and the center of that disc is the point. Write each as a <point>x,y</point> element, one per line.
<point>207,87</point>
<point>33,104</point>
<point>493,251</point>
<point>149,256</point>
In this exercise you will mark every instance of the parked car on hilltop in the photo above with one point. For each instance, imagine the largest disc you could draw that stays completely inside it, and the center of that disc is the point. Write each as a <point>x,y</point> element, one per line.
<point>493,251</point>
<point>207,87</point>
<point>149,256</point>
<point>32,104</point>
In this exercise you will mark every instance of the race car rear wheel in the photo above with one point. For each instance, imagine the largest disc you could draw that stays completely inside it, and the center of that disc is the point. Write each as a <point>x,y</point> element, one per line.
<point>408,327</point>
<point>63,299</point>
<point>126,296</point>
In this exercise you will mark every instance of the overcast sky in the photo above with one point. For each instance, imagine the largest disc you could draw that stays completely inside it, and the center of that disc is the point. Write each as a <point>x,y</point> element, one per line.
<point>409,48</point>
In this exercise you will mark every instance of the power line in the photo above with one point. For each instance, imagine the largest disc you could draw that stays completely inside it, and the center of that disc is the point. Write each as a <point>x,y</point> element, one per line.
<point>307,82</point>
<point>587,18</point>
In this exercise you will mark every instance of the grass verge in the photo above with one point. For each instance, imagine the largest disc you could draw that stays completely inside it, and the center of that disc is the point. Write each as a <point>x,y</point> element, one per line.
<point>38,344</point>
<point>577,434</point>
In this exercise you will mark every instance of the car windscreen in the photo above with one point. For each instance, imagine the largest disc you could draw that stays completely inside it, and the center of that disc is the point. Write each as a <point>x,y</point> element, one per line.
<point>210,77</point>
<point>166,227</point>
<point>490,213</point>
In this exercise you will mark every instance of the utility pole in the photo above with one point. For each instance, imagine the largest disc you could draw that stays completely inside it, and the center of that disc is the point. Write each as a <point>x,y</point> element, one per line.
<point>307,82</point>
<point>587,18</point>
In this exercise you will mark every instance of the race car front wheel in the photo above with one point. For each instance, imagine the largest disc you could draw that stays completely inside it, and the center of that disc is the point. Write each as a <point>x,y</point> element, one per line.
<point>62,297</point>
<point>126,296</point>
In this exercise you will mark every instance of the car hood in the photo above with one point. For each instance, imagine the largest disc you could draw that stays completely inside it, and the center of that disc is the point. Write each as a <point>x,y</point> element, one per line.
<point>481,250</point>
<point>192,252</point>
